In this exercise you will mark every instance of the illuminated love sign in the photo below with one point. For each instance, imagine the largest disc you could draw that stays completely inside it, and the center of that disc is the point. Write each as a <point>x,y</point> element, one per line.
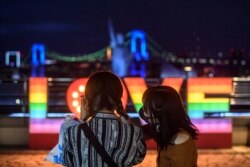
<point>74,93</point>
<point>197,103</point>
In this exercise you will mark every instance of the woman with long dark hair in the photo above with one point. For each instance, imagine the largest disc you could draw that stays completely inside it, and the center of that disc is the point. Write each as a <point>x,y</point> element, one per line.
<point>170,126</point>
<point>120,143</point>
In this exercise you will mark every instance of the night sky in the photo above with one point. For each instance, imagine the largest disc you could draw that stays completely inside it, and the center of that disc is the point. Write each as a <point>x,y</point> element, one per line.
<point>80,26</point>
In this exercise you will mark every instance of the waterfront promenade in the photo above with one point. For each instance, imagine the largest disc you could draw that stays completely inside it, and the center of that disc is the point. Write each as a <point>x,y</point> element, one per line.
<point>238,156</point>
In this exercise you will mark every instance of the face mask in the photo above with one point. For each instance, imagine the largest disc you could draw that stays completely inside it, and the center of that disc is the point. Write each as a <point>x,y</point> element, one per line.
<point>150,119</point>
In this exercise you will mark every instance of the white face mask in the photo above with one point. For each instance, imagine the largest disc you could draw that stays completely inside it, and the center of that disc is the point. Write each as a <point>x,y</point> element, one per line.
<point>150,119</point>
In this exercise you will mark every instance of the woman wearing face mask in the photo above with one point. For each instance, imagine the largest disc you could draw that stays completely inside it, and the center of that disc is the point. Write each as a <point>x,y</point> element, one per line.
<point>170,126</point>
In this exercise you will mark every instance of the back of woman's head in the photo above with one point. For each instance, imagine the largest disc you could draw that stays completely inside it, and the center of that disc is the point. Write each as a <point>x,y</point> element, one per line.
<point>164,103</point>
<point>103,91</point>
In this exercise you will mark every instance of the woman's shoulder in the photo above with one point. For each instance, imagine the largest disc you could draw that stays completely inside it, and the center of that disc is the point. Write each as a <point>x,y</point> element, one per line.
<point>132,126</point>
<point>181,137</point>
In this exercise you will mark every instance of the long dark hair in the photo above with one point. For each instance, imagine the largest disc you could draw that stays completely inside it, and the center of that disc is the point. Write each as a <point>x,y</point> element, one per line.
<point>164,103</point>
<point>103,91</point>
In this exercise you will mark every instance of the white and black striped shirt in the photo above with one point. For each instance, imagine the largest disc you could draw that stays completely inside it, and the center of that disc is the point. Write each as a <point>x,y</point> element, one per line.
<point>123,142</point>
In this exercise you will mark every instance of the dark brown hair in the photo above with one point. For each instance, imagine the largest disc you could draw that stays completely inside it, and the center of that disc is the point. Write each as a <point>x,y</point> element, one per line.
<point>103,91</point>
<point>165,104</point>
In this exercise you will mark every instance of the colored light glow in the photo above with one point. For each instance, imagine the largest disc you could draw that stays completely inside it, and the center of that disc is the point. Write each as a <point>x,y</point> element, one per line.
<point>38,97</point>
<point>45,125</point>
<point>211,85</point>
<point>138,106</point>
<point>200,97</point>
<point>213,125</point>
<point>36,87</point>
<point>229,114</point>
<point>175,83</point>
<point>136,88</point>
<point>188,68</point>
<point>75,103</point>
<point>109,53</point>
<point>35,49</point>
<point>210,107</point>
<point>38,110</point>
<point>81,88</point>
<point>18,101</point>
<point>78,109</point>
<point>75,94</point>
<point>200,113</point>
<point>142,54</point>
<point>76,87</point>
<point>198,103</point>
<point>17,54</point>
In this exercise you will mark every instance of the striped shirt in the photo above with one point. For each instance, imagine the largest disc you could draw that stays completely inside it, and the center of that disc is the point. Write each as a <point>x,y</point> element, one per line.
<point>123,142</point>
